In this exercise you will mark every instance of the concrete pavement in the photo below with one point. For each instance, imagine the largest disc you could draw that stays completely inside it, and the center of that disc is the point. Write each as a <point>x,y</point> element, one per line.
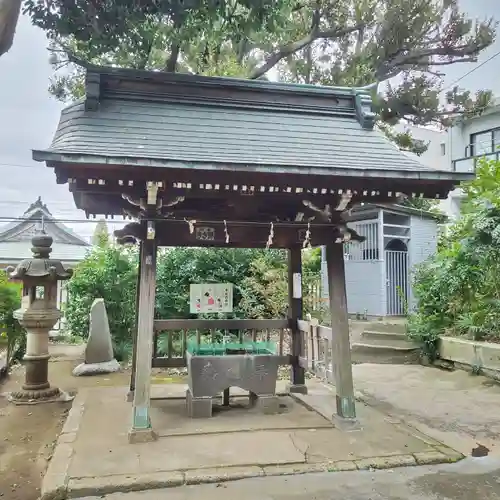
<point>466,480</point>
<point>456,408</point>
<point>93,454</point>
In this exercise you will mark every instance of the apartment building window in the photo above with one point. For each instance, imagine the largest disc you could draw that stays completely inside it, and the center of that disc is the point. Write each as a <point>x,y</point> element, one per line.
<point>443,149</point>
<point>484,143</point>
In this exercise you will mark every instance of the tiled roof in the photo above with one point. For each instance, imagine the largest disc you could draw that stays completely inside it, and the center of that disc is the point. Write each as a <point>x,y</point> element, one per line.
<point>12,252</point>
<point>188,121</point>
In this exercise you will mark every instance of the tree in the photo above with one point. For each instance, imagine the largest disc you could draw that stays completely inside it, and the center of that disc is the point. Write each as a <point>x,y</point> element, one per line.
<point>100,237</point>
<point>9,15</point>
<point>392,45</point>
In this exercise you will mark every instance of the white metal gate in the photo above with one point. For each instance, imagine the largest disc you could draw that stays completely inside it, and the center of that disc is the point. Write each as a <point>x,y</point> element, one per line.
<point>396,266</point>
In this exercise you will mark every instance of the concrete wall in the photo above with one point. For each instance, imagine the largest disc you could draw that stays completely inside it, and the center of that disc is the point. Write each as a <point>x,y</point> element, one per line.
<point>365,283</point>
<point>459,135</point>
<point>437,155</point>
<point>423,244</point>
<point>459,139</point>
<point>478,356</point>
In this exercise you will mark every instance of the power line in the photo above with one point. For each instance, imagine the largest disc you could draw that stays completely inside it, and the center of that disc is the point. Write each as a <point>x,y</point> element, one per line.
<point>45,202</point>
<point>475,68</point>
<point>22,166</point>
<point>183,221</point>
<point>64,221</point>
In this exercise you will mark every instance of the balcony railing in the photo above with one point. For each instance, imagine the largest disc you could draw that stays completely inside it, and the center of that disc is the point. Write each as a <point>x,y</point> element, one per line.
<point>468,164</point>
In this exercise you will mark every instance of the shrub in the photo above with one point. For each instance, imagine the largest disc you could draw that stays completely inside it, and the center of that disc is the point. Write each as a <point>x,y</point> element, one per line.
<point>10,329</point>
<point>108,272</point>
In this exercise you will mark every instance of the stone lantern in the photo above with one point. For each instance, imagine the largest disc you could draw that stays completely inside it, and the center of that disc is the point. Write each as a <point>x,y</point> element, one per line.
<point>38,315</point>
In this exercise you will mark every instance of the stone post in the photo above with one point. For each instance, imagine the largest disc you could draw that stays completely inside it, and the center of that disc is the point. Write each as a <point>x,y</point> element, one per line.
<point>38,314</point>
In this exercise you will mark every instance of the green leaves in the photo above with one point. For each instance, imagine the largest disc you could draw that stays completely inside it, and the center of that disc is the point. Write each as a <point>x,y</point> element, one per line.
<point>331,42</point>
<point>10,300</point>
<point>260,279</point>
<point>458,289</point>
<point>108,272</point>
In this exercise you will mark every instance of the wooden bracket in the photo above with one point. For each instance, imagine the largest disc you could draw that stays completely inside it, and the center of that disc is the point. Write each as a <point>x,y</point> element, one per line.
<point>152,188</point>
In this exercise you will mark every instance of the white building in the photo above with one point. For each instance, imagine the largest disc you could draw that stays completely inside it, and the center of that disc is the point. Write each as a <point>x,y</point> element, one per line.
<point>470,139</point>
<point>437,155</point>
<point>459,148</point>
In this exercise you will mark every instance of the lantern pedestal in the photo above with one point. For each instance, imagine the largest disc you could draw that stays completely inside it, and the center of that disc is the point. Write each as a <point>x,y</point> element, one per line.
<point>38,321</point>
<point>38,314</point>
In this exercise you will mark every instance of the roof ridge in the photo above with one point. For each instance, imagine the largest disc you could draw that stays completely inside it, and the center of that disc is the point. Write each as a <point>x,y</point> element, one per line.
<point>29,215</point>
<point>124,83</point>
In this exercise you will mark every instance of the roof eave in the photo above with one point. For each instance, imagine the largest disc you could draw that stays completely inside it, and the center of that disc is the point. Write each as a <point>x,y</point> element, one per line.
<point>421,175</point>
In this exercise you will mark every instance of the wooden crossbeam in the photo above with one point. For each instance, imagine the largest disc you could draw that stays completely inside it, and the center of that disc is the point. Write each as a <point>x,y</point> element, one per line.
<point>235,234</point>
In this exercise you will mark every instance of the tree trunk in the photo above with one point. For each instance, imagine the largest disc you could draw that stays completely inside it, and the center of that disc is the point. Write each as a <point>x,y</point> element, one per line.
<point>9,15</point>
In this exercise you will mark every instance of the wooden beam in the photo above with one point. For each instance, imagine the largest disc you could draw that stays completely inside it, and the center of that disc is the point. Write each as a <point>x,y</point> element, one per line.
<point>170,232</point>
<point>221,324</point>
<point>96,178</point>
<point>141,427</point>
<point>341,347</point>
<point>298,377</point>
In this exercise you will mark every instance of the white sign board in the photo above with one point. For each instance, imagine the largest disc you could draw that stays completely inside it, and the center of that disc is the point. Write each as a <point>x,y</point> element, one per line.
<point>297,286</point>
<point>211,297</point>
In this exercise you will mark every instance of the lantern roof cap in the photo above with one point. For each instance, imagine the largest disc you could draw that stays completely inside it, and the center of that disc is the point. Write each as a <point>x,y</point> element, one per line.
<point>40,265</point>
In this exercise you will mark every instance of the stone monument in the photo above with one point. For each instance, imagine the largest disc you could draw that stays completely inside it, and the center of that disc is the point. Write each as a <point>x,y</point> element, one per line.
<point>99,357</point>
<point>38,315</point>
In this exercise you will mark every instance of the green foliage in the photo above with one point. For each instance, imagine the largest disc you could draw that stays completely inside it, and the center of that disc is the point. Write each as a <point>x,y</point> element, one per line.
<point>361,43</point>
<point>458,289</point>
<point>265,288</point>
<point>110,273</point>
<point>10,329</point>
<point>179,267</point>
<point>260,279</point>
<point>100,237</point>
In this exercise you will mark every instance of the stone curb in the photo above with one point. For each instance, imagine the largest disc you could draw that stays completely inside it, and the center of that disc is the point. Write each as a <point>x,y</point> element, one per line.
<point>56,478</point>
<point>124,483</point>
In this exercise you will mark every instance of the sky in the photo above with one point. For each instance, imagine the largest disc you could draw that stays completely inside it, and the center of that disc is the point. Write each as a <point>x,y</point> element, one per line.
<point>29,117</point>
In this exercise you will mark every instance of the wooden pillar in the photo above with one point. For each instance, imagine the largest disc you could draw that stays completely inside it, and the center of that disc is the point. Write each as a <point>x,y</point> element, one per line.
<point>141,426</point>
<point>130,396</point>
<point>341,348</point>
<point>294,314</point>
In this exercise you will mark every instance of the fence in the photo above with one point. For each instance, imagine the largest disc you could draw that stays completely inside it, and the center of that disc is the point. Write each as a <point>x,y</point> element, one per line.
<point>313,300</point>
<point>171,336</point>
<point>316,349</point>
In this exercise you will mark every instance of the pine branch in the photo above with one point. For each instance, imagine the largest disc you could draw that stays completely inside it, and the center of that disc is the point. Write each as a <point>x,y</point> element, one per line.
<point>293,47</point>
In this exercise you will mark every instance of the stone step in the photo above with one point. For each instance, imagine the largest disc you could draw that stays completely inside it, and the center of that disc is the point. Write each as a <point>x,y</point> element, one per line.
<point>386,326</point>
<point>383,336</point>
<point>385,351</point>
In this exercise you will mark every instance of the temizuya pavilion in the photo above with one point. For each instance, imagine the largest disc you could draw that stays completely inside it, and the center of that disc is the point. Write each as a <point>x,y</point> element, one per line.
<point>204,161</point>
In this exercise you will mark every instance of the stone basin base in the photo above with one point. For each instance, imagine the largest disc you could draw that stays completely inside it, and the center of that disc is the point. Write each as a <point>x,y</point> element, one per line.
<point>209,375</point>
<point>202,407</point>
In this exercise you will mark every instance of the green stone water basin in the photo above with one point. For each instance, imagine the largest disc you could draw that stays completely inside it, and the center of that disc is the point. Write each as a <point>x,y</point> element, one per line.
<point>229,348</point>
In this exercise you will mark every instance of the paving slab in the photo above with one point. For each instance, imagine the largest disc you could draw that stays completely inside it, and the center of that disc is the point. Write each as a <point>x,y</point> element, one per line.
<point>93,454</point>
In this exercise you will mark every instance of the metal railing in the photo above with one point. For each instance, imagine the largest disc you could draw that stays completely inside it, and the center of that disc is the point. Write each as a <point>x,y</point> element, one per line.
<point>468,164</point>
<point>368,249</point>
